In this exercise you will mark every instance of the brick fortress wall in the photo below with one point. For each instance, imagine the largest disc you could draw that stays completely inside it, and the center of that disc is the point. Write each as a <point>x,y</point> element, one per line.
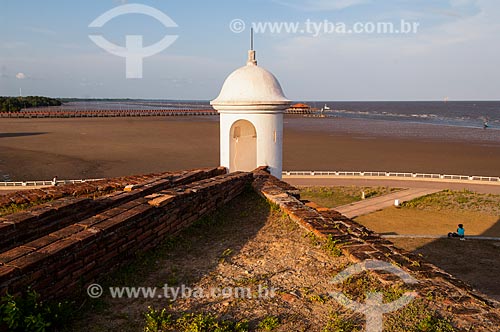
<point>104,233</point>
<point>469,309</point>
<point>57,263</point>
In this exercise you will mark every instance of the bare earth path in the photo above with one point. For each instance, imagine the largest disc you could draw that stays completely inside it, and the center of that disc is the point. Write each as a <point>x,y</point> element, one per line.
<point>378,203</point>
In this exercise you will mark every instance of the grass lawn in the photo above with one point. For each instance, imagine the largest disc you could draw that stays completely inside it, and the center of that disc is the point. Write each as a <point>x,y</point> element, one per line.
<point>430,222</point>
<point>331,197</point>
<point>438,214</point>
<point>473,261</point>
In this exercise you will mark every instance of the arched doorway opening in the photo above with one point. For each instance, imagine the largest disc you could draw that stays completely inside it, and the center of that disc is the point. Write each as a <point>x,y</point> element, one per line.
<point>243,146</point>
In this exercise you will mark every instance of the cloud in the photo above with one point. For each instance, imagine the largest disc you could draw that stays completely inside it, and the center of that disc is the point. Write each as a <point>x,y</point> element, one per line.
<point>462,3</point>
<point>40,30</point>
<point>321,5</point>
<point>85,82</point>
<point>13,44</point>
<point>21,76</point>
<point>456,58</point>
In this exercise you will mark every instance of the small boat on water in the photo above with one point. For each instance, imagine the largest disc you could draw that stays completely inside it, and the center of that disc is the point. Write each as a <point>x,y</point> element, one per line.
<point>486,121</point>
<point>323,109</point>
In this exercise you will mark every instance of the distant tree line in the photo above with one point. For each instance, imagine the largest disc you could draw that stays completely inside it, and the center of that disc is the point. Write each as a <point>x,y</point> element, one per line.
<point>15,104</point>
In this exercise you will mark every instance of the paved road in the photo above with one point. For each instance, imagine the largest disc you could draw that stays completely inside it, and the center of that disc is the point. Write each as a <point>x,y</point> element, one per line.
<point>394,183</point>
<point>378,203</point>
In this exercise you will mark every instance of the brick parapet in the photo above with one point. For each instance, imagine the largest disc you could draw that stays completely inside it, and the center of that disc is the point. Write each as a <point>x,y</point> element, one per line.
<point>469,309</point>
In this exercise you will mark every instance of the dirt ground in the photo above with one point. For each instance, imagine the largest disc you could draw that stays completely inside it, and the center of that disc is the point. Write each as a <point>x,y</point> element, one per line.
<point>254,247</point>
<point>37,149</point>
<point>94,148</point>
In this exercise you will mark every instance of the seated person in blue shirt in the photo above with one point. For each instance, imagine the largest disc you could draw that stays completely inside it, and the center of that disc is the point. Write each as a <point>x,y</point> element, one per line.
<point>460,232</point>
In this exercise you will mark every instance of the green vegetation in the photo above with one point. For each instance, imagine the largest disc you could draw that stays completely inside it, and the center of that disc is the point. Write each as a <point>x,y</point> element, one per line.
<point>13,208</point>
<point>329,245</point>
<point>438,214</point>
<point>434,324</point>
<point>415,317</point>
<point>269,323</point>
<point>15,104</point>
<point>27,313</point>
<point>161,320</point>
<point>332,246</point>
<point>356,287</point>
<point>225,255</point>
<point>331,197</point>
<point>341,323</point>
<point>313,239</point>
<point>457,200</point>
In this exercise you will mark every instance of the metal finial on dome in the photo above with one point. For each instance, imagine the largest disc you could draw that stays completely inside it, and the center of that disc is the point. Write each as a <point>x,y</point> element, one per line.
<point>251,53</point>
<point>251,39</point>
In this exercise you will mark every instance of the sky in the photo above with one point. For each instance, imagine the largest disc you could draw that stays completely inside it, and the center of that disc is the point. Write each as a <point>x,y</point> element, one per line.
<point>454,53</point>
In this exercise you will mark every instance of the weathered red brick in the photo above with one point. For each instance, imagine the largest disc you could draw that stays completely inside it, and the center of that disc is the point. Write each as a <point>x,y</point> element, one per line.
<point>28,262</point>
<point>6,229</point>
<point>7,273</point>
<point>40,242</point>
<point>67,231</point>
<point>87,236</point>
<point>13,254</point>
<point>19,218</point>
<point>60,247</point>
<point>119,220</point>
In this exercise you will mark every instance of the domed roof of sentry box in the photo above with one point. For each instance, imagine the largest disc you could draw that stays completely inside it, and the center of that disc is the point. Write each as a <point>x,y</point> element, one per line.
<point>251,85</point>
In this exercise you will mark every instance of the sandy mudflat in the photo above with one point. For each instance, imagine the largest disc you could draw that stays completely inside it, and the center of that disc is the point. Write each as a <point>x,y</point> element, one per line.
<point>104,147</point>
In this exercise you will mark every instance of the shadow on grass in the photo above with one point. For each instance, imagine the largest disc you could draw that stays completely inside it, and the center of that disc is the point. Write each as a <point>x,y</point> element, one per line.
<point>474,261</point>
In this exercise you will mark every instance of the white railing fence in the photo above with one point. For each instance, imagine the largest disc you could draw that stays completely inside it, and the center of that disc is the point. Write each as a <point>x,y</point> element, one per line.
<point>394,174</point>
<point>298,173</point>
<point>41,183</point>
